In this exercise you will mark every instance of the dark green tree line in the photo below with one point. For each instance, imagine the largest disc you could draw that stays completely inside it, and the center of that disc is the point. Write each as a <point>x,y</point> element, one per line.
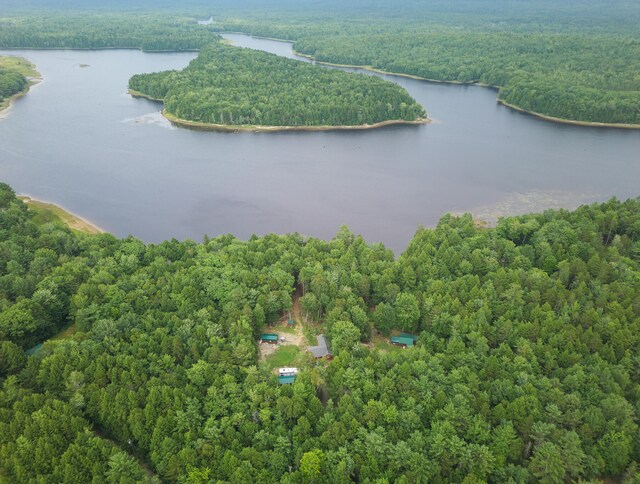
<point>145,30</point>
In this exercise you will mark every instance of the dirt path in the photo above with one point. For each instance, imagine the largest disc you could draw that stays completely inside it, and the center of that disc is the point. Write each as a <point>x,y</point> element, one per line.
<point>298,338</point>
<point>297,317</point>
<point>98,432</point>
<point>292,336</point>
<point>296,305</point>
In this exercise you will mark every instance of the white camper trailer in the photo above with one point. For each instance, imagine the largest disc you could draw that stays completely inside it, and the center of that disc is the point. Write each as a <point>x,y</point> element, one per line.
<point>287,371</point>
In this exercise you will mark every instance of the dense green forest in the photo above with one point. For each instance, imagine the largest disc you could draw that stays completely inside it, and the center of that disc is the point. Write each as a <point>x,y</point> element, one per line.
<point>526,367</point>
<point>233,86</point>
<point>581,76</point>
<point>76,30</point>
<point>578,77</point>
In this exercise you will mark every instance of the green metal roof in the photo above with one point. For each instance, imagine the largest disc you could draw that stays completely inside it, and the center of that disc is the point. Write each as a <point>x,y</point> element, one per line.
<point>291,322</point>
<point>286,380</point>
<point>402,340</point>
<point>269,337</point>
<point>408,335</point>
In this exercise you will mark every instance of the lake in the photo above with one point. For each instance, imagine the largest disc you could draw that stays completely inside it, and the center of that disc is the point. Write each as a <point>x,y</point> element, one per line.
<point>79,140</point>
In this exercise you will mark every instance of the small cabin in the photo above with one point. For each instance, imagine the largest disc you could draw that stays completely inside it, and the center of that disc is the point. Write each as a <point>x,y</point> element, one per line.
<point>322,350</point>
<point>291,323</point>
<point>405,340</point>
<point>269,338</point>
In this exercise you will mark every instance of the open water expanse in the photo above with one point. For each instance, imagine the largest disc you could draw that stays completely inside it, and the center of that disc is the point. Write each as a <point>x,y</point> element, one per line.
<point>79,140</point>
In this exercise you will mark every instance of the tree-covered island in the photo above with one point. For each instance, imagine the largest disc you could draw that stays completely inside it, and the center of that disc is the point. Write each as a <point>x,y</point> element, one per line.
<point>238,88</point>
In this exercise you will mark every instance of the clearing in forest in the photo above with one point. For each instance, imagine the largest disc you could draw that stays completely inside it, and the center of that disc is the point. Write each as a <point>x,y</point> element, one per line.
<point>293,342</point>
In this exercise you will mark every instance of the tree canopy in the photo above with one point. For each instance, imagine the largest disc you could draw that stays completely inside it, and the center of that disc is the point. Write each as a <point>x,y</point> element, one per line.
<point>582,74</point>
<point>82,30</point>
<point>525,366</point>
<point>233,86</point>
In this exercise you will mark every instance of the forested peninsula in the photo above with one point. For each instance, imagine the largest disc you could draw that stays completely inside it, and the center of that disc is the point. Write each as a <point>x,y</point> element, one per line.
<point>531,72</point>
<point>525,366</point>
<point>574,61</point>
<point>16,75</point>
<point>146,31</point>
<point>571,77</point>
<point>233,87</point>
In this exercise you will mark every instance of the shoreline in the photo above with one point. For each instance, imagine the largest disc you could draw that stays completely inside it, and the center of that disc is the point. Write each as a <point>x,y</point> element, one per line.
<point>5,106</point>
<point>545,117</point>
<point>380,71</point>
<point>102,48</point>
<point>199,125</point>
<point>138,94</point>
<point>33,80</point>
<point>272,129</point>
<point>592,124</point>
<point>70,219</point>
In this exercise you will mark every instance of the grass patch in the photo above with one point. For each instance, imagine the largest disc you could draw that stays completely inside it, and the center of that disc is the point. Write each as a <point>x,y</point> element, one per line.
<point>284,356</point>
<point>23,66</point>
<point>382,343</point>
<point>44,213</point>
<point>311,333</point>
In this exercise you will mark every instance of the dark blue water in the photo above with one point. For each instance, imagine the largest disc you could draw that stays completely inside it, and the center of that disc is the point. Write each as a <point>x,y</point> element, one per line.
<point>80,141</point>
